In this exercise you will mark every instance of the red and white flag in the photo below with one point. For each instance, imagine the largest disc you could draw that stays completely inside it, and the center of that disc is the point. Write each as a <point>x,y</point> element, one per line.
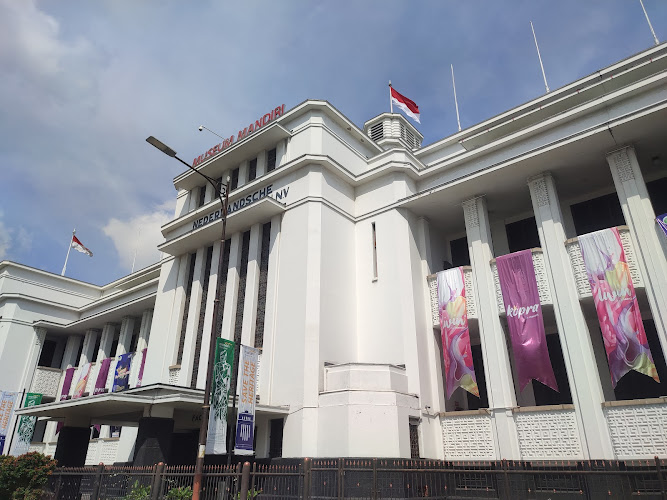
<point>409,107</point>
<point>77,245</point>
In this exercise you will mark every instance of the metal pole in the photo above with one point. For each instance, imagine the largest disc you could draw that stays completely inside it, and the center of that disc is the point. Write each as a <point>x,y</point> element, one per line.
<point>67,256</point>
<point>655,38</point>
<point>456,102</point>
<point>539,57</point>
<point>391,103</point>
<point>205,409</point>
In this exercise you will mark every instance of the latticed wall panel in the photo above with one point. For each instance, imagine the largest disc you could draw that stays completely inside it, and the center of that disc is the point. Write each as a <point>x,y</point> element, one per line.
<point>548,435</point>
<point>638,431</point>
<point>468,438</point>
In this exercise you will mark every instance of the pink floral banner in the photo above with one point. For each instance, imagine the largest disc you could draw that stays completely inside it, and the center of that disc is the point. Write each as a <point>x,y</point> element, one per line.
<point>616,304</point>
<point>524,318</point>
<point>80,386</point>
<point>459,369</point>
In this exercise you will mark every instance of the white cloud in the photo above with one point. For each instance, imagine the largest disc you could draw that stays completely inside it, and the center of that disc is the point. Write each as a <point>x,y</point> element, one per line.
<point>13,241</point>
<point>140,234</point>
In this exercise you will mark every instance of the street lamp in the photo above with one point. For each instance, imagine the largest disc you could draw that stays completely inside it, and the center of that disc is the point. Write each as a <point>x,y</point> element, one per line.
<point>205,409</point>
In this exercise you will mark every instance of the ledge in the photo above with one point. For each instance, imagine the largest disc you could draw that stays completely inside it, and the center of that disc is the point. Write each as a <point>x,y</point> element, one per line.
<point>635,402</point>
<point>529,409</point>
<point>576,238</point>
<point>435,275</point>
<point>465,413</point>
<point>532,250</point>
<point>49,369</point>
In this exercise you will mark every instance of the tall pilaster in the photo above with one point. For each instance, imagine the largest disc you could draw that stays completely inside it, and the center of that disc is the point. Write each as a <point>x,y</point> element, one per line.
<point>251,286</point>
<point>650,246</point>
<point>125,337</point>
<point>575,339</point>
<point>208,316</point>
<point>71,351</point>
<point>192,325</point>
<point>145,329</point>
<point>106,341</point>
<point>231,299</point>
<point>88,351</point>
<point>500,387</point>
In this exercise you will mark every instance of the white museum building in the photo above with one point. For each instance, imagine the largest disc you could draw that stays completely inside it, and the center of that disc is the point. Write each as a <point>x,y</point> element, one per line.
<point>334,237</point>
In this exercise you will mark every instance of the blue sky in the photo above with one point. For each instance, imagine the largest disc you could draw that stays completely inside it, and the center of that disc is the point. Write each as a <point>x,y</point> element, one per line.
<point>84,83</point>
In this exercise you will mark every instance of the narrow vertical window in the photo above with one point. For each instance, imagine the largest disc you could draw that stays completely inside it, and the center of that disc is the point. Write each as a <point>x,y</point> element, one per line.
<point>252,170</point>
<point>375,253</point>
<point>243,272</point>
<point>271,160</point>
<point>263,276</point>
<point>235,179</point>
<point>202,196</point>
<point>223,287</point>
<point>202,313</point>
<point>414,439</point>
<point>186,307</point>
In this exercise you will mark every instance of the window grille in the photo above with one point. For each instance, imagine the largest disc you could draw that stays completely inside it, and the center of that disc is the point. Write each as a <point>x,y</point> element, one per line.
<point>202,196</point>
<point>252,170</point>
<point>377,131</point>
<point>235,179</point>
<point>414,440</point>
<point>271,160</point>
<point>263,277</point>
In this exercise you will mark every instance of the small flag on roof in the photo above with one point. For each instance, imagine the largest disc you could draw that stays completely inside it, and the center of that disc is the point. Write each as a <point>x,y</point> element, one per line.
<point>77,245</point>
<point>406,105</point>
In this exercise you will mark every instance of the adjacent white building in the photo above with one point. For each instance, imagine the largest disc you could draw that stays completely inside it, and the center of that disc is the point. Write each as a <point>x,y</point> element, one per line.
<point>334,236</point>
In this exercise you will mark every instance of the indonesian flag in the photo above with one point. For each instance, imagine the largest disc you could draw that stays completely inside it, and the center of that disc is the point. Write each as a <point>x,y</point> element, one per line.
<point>409,107</point>
<point>77,245</point>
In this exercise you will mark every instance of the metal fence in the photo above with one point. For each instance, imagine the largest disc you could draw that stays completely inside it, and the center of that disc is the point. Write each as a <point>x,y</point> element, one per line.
<point>370,479</point>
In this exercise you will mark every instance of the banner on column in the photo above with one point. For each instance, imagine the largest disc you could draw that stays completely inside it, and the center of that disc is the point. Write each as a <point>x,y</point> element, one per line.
<point>141,367</point>
<point>452,308</point>
<point>101,382</point>
<point>26,426</point>
<point>662,220</point>
<point>245,422</point>
<point>616,304</point>
<point>67,383</point>
<point>80,386</point>
<point>7,401</point>
<point>216,440</point>
<point>518,284</point>
<point>121,379</point>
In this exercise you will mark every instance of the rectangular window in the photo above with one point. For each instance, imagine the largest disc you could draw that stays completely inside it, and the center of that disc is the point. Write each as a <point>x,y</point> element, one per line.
<point>243,271</point>
<point>252,170</point>
<point>223,288</point>
<point>47,354</point>
<point>375,252</point>
<point>414,439</point>
<point>271,160</point>
<point>96,349</point>
<point>263,276</point>
<point>459,251</point>
<point>202,313</point>
<point>234,183</point>
<point>598,213</point>
<point>276,438</point>
<point>186,306</point>
<point>522,235</point>
<point>202,196</point>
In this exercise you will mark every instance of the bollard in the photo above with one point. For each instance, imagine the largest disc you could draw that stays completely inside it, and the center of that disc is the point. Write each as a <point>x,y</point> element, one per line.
<point>245,481</point>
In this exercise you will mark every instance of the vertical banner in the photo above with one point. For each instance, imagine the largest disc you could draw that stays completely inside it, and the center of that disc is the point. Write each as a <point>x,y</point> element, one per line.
<point>141,367</point>
<point>80,386</point>
<point>216,440</point>
<point>101,382</point>
<point>67,383</point>
<point>524,318</point>
<point>616,304</point>
<point>7,401</point>
<point>121,379</point>
<point>459,369</point>
<point>25,427</point>
<point>245,422</point>
<point>662,220</point>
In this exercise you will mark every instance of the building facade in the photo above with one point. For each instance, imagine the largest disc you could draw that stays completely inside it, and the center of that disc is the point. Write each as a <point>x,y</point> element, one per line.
<point>334,235</point>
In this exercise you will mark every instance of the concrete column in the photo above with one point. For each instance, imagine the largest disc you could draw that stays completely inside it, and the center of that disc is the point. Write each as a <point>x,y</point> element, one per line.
<point>261,163</point>
<point>193,318</point>
<point>145,329</point>
<point>88,351</point>
<point>266,370</point>
<point>231,299</point>
<point>71,351</point>
<point>106,341</point>
<point>251,286</point>
<point>182,203</point>
<point>500,387</point>
<point>649,244</point>
<point>243,173</point>
<point>575,339</point>
<point>125,338</point>
<point>281,153</point>
<point>210,193</point>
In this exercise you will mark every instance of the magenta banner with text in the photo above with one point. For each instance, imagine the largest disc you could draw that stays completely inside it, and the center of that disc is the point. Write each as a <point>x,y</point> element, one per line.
<point>524,318</point>
<point>616,303</point>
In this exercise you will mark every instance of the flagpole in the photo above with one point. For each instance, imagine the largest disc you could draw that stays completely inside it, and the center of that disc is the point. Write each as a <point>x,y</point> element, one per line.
<point>546,85</point>
<point>655,38</point>
<point>456,102</point>
<point>391,103</point>
<point>69,247</point>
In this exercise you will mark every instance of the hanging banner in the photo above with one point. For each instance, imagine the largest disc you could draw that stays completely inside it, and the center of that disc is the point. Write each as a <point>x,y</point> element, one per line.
<point>245,422</point>
<point>121,379</point>
<point>459,369</point>
<point>216,440</point>
<point>101,382</point>
<point>67,383</point>
<point>7,400</point>
<point>25,427</point>
<point>662,220</point>
<point>616,304</point>
<point>80,386</point>
<point>141,367</point>
<point>524,318</point>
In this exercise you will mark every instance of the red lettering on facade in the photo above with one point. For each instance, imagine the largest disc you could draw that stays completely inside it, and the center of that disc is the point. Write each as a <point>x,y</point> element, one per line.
<point>266,119</point>
<point>242,134</point>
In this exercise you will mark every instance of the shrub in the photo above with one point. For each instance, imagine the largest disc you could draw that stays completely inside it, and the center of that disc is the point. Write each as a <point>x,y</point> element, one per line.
<point>24,476</point>
<point>182,493</point>
<point>139,492</point>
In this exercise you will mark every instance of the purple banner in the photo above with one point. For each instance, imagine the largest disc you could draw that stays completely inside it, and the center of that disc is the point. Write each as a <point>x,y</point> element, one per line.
<point>102,375</point>
<point>524,318</point>
<point>662,220</point>
<point>121,380</point>
<point>141,367</point>
<point>616,304</point>
<point>67,383</point>
<point>459,369</point>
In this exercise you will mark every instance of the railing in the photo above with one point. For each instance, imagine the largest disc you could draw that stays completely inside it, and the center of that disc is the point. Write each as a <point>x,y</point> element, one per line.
<point>471,305</point>
<point>540,276</point>
<point>371,479</point>
<point>46,381</point>
<point>579,268</point>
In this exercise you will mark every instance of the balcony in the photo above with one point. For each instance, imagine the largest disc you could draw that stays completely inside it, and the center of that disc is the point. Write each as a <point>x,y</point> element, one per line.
<point>46,381</point>
<point>432,283</point>
<point>540,275</point>
<point>579,269</point>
